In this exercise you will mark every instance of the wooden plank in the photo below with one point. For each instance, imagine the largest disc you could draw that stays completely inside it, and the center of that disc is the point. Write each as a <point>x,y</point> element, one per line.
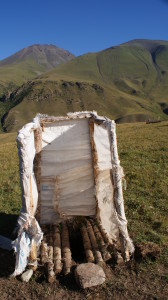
<point>37,166</point>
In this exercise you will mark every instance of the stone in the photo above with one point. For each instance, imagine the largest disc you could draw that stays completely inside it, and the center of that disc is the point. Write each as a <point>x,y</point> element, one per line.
<point>120,260</point>
<point>89,274</point>
<point>27,275</point>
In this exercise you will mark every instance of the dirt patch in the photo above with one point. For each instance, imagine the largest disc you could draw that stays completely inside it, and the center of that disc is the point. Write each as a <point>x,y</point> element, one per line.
<point>135,280</point>
<point>147,250</point>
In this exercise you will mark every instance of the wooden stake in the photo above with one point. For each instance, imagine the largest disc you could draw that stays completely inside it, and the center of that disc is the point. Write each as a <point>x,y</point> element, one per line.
<point>127,256</point>
<point>44,252</point>
<point>94,162</point>
<point>57,250</point>
<point>98,256</point>
<point>104,235</point>
<point>50,265</point>
<point>50,242</point>
<point>110,244</point>
<point>37,166</point>
<point>33,256</point>
<point>102,245</point>
<point>37,163</point>
<point>66,252</point>
<point>33,251</point>
<point>87,244</point>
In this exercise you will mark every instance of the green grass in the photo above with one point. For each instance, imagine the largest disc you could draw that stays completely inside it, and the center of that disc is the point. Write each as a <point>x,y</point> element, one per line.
<point>144,155</point>
<point>16,74</point>
<point>10,195</point>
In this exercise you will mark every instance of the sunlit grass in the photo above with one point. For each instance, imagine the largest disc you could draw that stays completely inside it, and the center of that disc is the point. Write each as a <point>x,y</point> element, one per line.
<point>10,196</point>
<point>143,151</point>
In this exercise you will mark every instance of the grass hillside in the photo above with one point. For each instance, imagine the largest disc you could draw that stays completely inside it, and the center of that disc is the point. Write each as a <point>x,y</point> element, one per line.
<point>144,156</point>
<point>28,63</point>
<point>128,83</point>
<point>137,68</point>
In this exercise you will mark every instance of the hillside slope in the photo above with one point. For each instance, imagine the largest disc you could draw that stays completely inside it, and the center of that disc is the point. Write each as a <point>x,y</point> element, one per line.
<point>29,63</point>
<point>126,83</point>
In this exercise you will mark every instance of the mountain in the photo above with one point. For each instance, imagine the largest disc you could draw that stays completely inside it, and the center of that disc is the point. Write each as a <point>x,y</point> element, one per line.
<point>127,83</point>
<point>28,63</point>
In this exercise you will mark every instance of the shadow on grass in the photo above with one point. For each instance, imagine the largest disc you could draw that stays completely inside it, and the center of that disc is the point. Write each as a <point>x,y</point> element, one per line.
<point>7,224</point>
<point>164,125</point>
<point>7,262</point>
<point>7,258</point>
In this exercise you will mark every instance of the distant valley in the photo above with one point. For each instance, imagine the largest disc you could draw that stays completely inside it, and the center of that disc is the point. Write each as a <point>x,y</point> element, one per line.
<point>127,83</point>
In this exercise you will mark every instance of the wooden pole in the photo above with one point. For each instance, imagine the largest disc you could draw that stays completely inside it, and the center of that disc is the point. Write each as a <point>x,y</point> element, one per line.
<point>104,235</point>
<point>57,250</point>
<point>37,170</point>
<point>50,265</point>
<point>87,244</point>
<point>44,252</point>
<point>97,253</point>
<point>94,162</point>
<point>102,245</point>
<point>66,252</point>
<point>37,166</point>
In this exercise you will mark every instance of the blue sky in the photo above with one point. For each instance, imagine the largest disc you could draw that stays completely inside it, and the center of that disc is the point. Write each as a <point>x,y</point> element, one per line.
<point>80,26</point>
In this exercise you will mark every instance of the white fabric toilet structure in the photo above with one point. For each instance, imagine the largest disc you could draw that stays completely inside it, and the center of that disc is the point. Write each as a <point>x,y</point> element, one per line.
<point>69,167</point>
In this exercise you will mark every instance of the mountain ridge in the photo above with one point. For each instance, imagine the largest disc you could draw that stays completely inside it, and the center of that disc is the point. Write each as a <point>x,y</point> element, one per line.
<point>29,63</point>
<point>35,48</point>
<point>127,83</point>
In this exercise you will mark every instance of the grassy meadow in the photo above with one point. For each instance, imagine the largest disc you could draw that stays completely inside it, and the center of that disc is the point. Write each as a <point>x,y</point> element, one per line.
<point>143,152</point>
<point>10,197</point>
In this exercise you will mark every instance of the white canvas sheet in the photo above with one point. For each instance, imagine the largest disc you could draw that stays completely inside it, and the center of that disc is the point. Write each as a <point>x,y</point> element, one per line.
<point>104,186</point>
<point>67,181</point>
<point>26,152</point>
